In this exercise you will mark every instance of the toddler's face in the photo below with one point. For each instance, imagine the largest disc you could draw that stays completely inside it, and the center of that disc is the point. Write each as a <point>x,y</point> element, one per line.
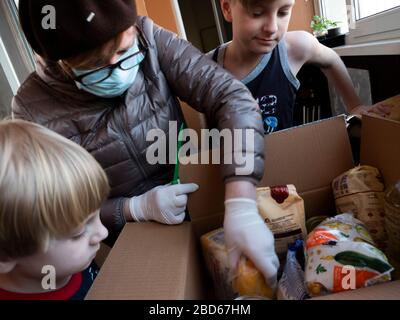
<point>70,254</point>
<point>263,26</point>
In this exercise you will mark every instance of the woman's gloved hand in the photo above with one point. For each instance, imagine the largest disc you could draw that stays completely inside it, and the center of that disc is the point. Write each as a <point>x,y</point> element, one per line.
<point>164,204</point>
<point>247,234</point>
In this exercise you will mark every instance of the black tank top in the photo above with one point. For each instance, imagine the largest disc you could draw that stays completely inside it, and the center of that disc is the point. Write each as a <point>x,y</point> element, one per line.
<point>273,86</point>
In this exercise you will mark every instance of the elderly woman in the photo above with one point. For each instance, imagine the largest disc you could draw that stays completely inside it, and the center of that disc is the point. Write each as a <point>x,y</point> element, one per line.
<point>105,77</point>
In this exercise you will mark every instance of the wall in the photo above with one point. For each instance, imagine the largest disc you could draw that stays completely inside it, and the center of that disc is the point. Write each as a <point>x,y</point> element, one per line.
<point>162,12</point>
<point>141,7</point>
<point>190,22</point>
<point>199,21</point>
<point>302,15</point>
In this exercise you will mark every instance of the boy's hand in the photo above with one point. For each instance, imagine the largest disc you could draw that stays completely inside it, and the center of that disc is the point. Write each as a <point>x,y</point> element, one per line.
<point>378,109</point>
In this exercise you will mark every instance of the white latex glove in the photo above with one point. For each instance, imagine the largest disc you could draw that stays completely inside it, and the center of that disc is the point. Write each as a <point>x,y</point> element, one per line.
<point>164,204</point>
<point>247,234</point>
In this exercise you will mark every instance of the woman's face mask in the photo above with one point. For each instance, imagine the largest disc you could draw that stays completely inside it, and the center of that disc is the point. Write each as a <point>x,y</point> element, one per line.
<point>123,73</point>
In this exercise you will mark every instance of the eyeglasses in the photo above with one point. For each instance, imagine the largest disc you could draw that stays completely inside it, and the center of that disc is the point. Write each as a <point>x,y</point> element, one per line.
<point>127,63</point>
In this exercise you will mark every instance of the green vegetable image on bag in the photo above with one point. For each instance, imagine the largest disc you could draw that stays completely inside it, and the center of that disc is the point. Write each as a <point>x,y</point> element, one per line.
<point>320,269</point>
<point>352,258</point>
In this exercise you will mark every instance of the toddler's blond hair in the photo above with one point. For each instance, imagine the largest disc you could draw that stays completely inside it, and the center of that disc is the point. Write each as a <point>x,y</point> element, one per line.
<point>48,186</point>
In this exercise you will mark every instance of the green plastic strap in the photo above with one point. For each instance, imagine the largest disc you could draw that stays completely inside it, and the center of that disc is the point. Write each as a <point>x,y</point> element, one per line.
<point>180,143</point>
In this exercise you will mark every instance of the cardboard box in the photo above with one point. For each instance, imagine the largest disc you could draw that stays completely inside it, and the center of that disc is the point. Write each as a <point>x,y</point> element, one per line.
<point>152,261</point>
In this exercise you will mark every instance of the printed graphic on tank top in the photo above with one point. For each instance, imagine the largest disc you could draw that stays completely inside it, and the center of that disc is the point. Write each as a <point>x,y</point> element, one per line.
<point>273,85</point>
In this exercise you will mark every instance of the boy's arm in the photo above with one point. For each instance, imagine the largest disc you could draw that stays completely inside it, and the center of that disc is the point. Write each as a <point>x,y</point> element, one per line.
<point>305,48</point>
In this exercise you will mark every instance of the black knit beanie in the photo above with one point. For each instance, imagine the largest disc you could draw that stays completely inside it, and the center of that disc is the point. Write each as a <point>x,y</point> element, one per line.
<point>80,25</point>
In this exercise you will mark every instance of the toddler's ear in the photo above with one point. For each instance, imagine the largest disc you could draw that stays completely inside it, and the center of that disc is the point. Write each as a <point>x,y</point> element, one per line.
<point>226,9</point>
<point>6,267</point>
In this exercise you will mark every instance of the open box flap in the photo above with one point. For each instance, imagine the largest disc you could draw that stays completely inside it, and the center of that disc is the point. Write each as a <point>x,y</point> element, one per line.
<point>309,157</point>
<point>380,147</point>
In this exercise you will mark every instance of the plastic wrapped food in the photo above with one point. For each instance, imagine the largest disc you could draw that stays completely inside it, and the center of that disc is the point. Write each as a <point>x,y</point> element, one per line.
<point>361,191</point>
<point>291,285</point>
<point>216,258</point>
<point>247,282</point>
<point>340,256</point>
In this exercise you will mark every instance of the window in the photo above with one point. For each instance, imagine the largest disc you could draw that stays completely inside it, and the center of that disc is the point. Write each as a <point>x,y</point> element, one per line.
<point>335,11</point>
<point>366,8</point>
<point>16,54</point>
<point>364,20</point>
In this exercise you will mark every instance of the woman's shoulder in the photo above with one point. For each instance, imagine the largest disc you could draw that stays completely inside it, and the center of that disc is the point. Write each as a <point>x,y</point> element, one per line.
<point>154,33</point>
<point>31,91</point>
<point>147,26</point>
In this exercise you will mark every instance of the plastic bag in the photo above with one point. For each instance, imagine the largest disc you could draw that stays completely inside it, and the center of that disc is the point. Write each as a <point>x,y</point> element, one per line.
<point>361,191</point>
<point>340,256</point>
<point>291,285</point>
<point>247,282</point>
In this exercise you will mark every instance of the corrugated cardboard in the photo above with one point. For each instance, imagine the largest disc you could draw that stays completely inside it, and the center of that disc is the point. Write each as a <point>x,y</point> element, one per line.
<point>380,147</point>
<point>387,291</point>
<point>309,157</point>
<point>152,261</point>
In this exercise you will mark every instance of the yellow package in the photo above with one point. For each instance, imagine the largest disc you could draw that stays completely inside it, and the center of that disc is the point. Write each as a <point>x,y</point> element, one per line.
<point>216,259</point>
<point>361,191</point>
<point>283,211</point>
<point>250,282</point>
<point>247,282</point>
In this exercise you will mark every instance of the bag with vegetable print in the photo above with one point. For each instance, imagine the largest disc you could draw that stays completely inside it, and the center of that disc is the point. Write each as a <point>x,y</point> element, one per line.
<point>341,255</point>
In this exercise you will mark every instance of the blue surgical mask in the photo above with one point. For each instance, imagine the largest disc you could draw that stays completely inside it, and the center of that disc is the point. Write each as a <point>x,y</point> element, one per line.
<point>118,82</point>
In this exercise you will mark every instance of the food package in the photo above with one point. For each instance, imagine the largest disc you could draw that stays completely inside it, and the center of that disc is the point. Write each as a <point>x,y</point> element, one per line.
<point>283,211</point>
<point>250,282</point>
<point>340,256</point>
<point>247,282</point>
<point>216,259</point>
<point>291,286</point>
<point>361,191</point>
